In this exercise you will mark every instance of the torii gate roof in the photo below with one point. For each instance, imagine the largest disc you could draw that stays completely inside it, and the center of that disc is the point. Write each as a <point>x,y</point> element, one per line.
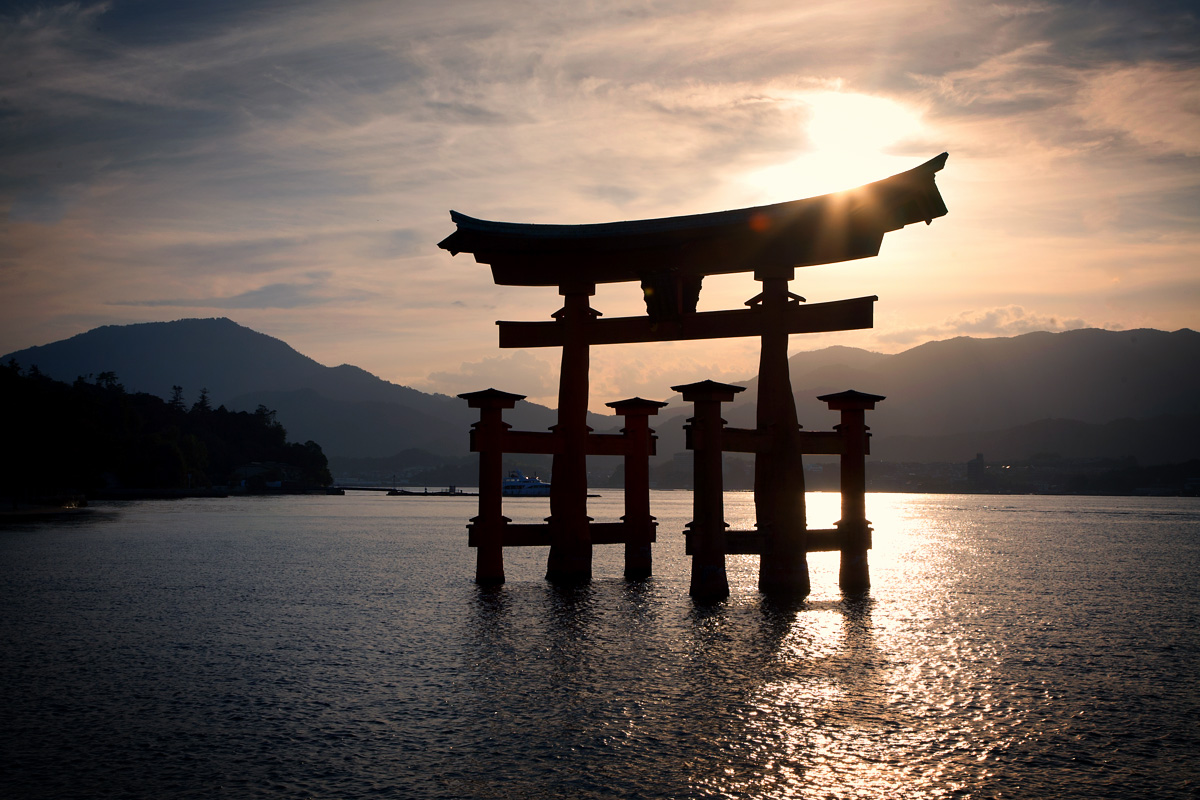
<point>765,239</point>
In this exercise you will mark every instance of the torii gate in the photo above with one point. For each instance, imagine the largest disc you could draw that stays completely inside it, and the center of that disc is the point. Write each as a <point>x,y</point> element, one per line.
<point>669,258</point>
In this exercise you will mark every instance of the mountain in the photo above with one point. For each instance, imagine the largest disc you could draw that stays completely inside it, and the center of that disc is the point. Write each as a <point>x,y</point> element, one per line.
<point>948,400</point>
<point>1079,393</point>
<point>345,409</point>
<point>964,384</point>
<point>1091,376</point>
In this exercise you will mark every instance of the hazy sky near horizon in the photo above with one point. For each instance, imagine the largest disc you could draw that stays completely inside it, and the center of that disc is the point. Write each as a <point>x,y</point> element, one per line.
<point>291,165</point>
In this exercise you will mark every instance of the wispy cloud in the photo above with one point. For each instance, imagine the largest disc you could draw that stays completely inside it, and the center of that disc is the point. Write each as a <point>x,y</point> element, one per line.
<point>1006,321</point>
<point>1155,104</point>
<point>276,295</point>
<point>519,371</point>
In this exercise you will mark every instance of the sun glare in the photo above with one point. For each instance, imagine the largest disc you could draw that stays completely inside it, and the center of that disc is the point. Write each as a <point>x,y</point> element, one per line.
<point>847,136</point>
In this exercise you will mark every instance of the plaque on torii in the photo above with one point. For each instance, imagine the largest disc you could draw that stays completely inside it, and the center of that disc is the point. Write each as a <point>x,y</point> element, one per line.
<point>669,258</point>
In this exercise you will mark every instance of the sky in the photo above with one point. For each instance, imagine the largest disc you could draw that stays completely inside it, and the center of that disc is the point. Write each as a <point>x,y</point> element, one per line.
<point>292,165</point>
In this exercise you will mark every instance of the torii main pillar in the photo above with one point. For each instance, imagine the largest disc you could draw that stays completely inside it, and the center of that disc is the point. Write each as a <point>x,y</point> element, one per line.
<point>570,559</point>
<point>779,472</point>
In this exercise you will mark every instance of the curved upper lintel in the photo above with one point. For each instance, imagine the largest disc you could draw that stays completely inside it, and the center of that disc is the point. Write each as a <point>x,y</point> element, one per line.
<point>818,230</point>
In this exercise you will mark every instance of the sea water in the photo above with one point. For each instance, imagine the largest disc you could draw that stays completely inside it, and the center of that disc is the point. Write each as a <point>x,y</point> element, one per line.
<point>336,647</point>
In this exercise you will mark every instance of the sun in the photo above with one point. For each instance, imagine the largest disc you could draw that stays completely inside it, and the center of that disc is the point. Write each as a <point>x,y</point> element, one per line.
<point>846,143</point>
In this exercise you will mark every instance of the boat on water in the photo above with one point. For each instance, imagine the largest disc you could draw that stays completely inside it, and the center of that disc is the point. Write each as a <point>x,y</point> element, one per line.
<point>517,485</point>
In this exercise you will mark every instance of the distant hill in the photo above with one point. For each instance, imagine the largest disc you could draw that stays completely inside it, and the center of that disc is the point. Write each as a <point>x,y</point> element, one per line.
<point>97,438</point>
<point>345,409</point>
<point>1091,376</point>
<point>966,384</point>
<point>1026,394</point>
<point>1079,393</point>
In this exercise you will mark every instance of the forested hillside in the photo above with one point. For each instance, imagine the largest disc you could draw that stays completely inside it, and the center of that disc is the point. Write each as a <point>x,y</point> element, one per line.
<point>92,436</point>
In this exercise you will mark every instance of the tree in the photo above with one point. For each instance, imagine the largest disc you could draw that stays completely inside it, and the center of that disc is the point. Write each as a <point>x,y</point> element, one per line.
<point>202,405</point>
<point>108,380</point>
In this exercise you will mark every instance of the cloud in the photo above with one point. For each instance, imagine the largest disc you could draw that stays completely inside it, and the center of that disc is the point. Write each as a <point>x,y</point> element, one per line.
<point>466,112</point>
<point>38,206</point>
<point>1004,321</point>
<point>1063,79</point>
<point>213,254</point>
<point>617,195</point>
<point>519,372</point>
<point>650,371</point>
<point>393,244</point>
<point>216,254</point>
<point>275,295</point>
<point>1155,104</point>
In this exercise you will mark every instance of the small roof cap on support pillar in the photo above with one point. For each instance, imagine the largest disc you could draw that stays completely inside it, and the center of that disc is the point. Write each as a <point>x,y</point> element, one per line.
<point>636,405</point>
<point>850,400</point>
<point>708,390</point>
<point>491,398</point>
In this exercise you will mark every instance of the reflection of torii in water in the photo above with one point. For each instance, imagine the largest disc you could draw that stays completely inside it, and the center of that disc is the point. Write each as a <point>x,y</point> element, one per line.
<point>669,258</point>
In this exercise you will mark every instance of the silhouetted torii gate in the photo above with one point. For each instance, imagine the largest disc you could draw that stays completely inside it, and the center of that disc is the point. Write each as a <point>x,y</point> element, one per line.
<point>670,257</point>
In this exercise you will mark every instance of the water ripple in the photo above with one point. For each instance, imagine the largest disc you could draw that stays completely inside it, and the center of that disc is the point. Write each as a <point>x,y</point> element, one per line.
<point>336,647</point>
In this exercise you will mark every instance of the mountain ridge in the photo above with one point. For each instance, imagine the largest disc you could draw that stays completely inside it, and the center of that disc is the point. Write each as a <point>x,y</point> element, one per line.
<point>242,368</point>
<point>955,391</point>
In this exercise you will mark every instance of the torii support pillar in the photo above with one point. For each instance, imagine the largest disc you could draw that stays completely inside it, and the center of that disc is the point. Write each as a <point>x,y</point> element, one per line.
<point>487,439</point>
<point>707,528</point>
<point>639,524</point>
<point>779,470</point>
<point>570,559</point>
<point>854,575</point>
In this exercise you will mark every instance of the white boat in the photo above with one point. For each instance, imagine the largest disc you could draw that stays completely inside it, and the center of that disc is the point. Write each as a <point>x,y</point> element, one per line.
<point>517,485</point>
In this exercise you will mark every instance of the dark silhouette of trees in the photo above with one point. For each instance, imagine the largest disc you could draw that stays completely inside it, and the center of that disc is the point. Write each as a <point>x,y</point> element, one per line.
<point>88,437</point>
